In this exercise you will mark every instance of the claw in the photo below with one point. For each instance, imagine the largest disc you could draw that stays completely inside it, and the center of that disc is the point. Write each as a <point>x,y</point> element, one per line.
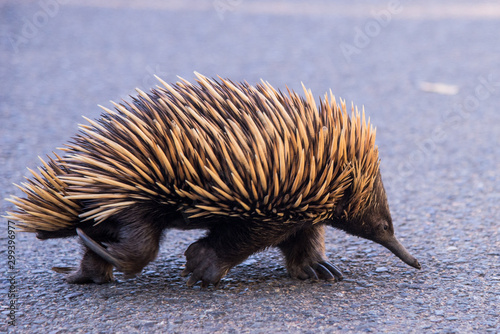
<point>193,279</point>
<point>317,270</point>
<point>323,272</point>
<point>310,271</point>
<point>333,269</point>
<point>98,249</point>
<point>64,270</point>
<point>185,272</point>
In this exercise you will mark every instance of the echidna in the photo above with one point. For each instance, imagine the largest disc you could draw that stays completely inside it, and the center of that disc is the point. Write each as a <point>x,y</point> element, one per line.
<point>255,167</point>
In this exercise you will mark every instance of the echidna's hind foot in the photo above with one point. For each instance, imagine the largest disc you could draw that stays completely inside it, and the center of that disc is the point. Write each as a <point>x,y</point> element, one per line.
<point>93,269</point>
<point>305,255</point>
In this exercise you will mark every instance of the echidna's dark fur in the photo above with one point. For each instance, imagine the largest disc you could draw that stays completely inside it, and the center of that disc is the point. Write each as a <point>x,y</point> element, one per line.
<point>254,167</point>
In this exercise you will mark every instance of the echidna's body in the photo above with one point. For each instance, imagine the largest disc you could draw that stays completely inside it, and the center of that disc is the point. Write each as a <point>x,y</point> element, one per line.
<point>253,166</point>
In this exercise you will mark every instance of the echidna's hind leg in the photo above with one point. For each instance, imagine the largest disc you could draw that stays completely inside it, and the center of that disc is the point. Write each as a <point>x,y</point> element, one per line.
<point>136,245</point>
<point>93,269</point>
<point>305,255</point>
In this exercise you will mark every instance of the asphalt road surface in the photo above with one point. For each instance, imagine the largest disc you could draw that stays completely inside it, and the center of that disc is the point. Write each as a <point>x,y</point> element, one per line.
<point>428,76</point>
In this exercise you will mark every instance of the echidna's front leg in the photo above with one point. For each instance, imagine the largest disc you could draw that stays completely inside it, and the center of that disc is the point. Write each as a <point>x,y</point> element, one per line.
<point>305,255</point>
<point>204,265</point>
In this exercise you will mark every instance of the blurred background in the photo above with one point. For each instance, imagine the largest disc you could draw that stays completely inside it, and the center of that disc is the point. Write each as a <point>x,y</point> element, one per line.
<point>427,74</point>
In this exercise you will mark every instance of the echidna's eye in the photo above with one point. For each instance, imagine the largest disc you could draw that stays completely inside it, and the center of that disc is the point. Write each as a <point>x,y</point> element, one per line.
<point>386,227</point>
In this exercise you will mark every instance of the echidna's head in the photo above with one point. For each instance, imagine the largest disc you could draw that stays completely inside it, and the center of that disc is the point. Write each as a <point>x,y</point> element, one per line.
<point>375,223</point>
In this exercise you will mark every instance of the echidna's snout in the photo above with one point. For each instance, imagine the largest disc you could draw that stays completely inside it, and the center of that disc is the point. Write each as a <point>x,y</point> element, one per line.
<point>400,251</point>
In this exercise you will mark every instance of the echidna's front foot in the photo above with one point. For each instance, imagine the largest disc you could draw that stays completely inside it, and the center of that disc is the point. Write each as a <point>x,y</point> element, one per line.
<point>305,255</point>
<point>203,264</point>
<point>322,269</point>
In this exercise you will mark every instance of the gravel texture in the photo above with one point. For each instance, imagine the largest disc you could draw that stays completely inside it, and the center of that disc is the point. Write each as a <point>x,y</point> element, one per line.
<point>439,146</point>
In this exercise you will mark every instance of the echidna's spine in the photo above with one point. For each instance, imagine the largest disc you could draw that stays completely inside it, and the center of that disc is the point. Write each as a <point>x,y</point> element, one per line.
<point>224,149</point>
<point>45,207</point>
